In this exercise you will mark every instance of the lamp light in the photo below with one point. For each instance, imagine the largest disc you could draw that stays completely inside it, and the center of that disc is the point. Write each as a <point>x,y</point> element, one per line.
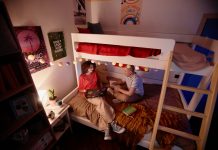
<point>43,97</point>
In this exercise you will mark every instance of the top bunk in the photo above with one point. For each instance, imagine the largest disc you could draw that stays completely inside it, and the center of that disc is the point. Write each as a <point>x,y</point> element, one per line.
<point>166,46</point>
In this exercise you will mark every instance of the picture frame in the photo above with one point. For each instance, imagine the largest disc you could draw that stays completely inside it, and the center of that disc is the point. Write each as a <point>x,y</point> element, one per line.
<point>21,106</point>
<point>33,47</point>
<point>56,40</point>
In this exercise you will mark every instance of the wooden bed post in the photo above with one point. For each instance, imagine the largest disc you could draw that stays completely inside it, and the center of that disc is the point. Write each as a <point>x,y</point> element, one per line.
<point>210,104</point>
<point>161,101</point>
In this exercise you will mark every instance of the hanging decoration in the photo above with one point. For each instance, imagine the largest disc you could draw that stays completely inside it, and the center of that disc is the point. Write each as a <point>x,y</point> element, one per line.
<point>139,68</point>
<point>130,12</point>
<point>33,47</point>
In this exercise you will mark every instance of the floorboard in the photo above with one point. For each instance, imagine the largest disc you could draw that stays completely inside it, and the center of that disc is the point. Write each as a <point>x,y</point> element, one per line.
<point>85,138</point>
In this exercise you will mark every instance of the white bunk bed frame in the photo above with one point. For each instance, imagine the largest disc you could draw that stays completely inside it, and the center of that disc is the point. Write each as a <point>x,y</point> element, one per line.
<point>164,62</point>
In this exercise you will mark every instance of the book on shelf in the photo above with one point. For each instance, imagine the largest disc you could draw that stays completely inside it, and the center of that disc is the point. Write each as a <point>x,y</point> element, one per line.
<point>23,72</point>
<point>129,110</point>
<point>21,76</point>
<point>9,77</point>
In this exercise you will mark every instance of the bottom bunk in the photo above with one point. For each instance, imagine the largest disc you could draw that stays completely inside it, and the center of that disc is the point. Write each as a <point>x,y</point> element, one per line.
<point>139,124</point>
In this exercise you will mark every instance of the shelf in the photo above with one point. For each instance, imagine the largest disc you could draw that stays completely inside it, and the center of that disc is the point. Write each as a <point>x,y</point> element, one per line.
<point>59,134</point>
<point>13,92</point>
<point>15,124</point>
<point>23,122</point>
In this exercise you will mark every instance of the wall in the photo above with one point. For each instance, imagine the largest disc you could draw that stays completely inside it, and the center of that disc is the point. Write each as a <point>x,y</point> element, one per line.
<point>176,19</point>
<point>51,15</point>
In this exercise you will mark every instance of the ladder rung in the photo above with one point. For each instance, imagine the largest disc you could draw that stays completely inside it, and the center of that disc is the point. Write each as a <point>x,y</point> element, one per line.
<point>186,88</point>
<point>179,133</point>
<point>180,110</point>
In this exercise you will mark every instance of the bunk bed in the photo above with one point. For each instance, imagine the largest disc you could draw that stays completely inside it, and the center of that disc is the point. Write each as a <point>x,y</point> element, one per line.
<point>163,61</point>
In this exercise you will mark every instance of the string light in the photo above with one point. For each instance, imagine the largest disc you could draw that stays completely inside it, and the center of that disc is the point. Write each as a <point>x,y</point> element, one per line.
<point>31,57</point>
<point>51,63</point>
<point>60,64</point>
<point>42,61</point>
<point>113,63</point>
<point>67,63</point>
<point>120,65</point>
<point>136,67</point>
<point>146,69</point>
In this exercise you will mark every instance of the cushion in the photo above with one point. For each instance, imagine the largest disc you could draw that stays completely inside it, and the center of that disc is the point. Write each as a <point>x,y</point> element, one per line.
<point>87,48</point>
<point>113,50</point>
<point>144,52</point>
<point>95,28</point>
<point>188,59</point>
<point>83,30</point>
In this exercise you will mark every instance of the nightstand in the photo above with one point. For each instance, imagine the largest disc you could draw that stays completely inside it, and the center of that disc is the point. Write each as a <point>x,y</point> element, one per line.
<point>61,121</point>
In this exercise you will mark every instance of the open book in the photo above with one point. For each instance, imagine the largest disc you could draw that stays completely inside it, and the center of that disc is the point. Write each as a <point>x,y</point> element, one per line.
<point>129,110</point>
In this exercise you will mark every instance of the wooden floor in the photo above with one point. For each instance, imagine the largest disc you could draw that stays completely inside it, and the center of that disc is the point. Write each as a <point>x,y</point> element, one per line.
<point>85,138</point>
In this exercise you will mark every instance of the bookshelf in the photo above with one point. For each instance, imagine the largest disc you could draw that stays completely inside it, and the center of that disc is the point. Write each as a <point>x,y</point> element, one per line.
<point>24,124</point>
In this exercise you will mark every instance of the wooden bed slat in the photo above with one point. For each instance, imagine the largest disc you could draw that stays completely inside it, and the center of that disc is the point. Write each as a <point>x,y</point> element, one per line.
<point>186,88</point>
<point>180,110</point>
<point>179,133</point>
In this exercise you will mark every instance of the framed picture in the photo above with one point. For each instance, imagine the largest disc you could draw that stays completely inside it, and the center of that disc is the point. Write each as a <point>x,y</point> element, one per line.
<point>33,47</point>
<point>21,106</point>
<point>79,12</point>
<point>56,40</point>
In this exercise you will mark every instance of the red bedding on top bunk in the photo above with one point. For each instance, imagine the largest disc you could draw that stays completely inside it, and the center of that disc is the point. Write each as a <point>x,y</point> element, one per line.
<point>115,50</point>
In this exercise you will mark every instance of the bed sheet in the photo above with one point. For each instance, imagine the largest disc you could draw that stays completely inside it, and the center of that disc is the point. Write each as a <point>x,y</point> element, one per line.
<point>142,121</point>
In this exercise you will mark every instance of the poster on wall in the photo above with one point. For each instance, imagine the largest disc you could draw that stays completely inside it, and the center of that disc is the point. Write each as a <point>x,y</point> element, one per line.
<point>56,40</point>
<point>130,12</point>
<point>33,47</point>
<point>79,12</point>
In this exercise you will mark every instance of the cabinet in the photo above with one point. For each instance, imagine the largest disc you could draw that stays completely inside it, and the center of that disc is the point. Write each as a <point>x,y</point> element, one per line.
<point>23,121</point>
<point>61,121</point>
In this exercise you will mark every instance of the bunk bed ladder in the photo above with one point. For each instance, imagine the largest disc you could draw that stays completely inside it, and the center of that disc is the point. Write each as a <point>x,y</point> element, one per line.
<point>206,116</point>
<point>161,101</point>
<point>209,108</point>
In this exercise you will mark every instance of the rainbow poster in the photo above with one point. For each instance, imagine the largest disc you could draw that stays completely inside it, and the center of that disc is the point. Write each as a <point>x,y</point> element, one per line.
<point>130,12</point>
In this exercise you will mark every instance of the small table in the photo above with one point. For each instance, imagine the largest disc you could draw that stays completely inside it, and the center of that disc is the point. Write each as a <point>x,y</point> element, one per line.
<point>61,115</point>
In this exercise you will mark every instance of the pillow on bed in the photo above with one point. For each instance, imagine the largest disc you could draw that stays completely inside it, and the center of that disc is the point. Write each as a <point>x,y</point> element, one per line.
<point>83,30</point>
<point>87,48</point>
<point>95,28</point>
<point>144,52</point>
<point>113,50</point>
<point>188,59</point>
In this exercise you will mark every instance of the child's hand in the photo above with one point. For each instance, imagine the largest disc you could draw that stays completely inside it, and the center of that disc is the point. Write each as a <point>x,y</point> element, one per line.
<point>116,88</point>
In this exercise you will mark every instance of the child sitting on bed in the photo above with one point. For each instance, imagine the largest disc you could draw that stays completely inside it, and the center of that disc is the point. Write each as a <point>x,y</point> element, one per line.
<point>135,91</point>
<point>89,80</point>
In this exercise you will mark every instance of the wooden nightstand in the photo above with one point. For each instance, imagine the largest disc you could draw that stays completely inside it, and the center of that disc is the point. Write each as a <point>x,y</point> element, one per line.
<point>61,122</point>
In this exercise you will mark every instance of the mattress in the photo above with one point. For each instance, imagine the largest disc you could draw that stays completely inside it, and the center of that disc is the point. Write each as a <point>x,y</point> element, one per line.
<point>84,112</point>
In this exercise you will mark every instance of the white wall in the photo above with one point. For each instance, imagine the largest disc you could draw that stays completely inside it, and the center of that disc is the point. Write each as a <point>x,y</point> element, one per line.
<point>178,19</point>
<point>51,15</point>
